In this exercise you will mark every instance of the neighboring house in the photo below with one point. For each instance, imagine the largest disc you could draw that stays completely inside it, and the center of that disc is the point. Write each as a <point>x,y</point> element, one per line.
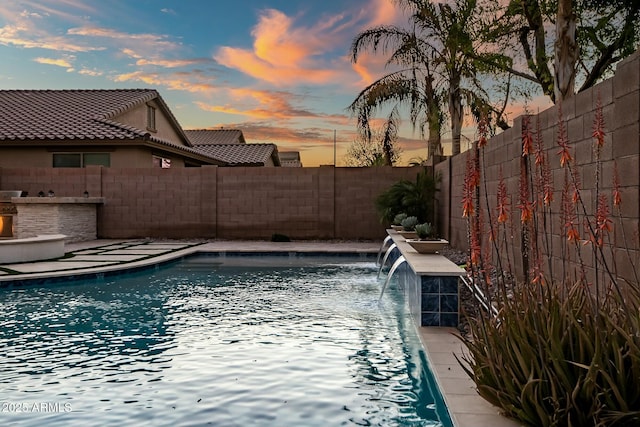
<point>215,136</point>
<point>116,128</point>
<point>229,146</point>
<point>290,159</point>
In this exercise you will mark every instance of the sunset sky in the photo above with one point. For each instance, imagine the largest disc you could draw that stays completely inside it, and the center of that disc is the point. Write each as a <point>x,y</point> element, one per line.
<point>277,69</point>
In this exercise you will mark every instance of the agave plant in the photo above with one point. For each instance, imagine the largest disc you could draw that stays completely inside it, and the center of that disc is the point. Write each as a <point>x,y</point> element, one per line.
<point>397,220</point>
<point>423,230</point>
<point>409,223</point>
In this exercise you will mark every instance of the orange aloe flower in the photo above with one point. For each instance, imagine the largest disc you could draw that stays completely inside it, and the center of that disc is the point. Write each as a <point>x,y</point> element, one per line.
<point>598,123</point>
<point>572,233</point>
<point>527,138</point>
<point>563,140</point>
<point>483,131</point>
<point>603,221</point>
<point>616,197</point>
<point>503,201</point>
<point>526,209</point>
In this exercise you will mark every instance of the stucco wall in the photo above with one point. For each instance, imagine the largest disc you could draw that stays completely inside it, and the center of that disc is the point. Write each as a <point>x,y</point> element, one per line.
<point>121,156</point>
<point>137,118</point>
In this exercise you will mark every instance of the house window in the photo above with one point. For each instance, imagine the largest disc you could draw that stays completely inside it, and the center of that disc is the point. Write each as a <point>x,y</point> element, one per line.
<point>67,160</point>
<point>161,162</point>
<point>96,159</point>
<point>80,160</point>
<point>151,118</point>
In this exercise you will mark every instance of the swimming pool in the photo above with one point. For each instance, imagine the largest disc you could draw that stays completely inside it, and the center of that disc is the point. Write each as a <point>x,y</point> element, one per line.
<point>223,341</point>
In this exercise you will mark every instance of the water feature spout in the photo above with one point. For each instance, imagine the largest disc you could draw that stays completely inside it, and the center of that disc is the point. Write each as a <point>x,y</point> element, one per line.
<point>384,244</point>
<point>386,256</point>
<point>401,260</point>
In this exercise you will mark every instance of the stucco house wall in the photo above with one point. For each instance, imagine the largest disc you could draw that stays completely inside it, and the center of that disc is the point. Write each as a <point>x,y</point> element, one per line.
<point>137,117</point>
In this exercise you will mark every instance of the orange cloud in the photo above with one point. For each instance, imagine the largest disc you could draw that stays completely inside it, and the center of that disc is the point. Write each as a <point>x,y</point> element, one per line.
<point>175,81</point>
<point>57,62</point>
<point>385,12</point>
<point>87,72</point>
<point>264,104</point>
<point>285,54</point>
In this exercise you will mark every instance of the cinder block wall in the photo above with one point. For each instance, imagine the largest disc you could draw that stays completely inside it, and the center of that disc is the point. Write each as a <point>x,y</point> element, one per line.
<point>235,203</point>
<point>620,99</point>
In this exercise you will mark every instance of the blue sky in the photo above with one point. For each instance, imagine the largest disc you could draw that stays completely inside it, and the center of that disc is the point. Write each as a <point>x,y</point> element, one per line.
<point>277,69</point>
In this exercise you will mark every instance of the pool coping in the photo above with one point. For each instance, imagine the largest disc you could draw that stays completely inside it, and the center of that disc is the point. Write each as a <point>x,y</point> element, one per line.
<point>466,407</point>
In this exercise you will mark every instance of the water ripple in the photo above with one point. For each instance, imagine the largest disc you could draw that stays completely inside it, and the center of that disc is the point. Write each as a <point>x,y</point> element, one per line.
<point>199,343</point>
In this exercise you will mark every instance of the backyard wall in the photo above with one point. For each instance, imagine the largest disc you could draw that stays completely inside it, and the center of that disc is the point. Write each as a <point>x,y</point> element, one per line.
<point>216,202</point>
<point>620,99</point>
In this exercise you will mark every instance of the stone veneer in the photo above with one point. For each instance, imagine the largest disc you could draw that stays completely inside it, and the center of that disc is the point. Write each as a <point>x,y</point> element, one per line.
<point>75,217</point>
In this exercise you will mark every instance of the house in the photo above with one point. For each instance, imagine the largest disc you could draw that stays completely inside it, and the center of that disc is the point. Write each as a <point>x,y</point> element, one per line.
<point>230,147</point>
<point>112,128</point>
<point>290,159</point>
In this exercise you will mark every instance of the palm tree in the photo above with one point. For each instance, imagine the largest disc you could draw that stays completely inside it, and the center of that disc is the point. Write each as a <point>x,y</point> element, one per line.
<point>453,31</point>
<point>440,63</point>
<point>412,85</point>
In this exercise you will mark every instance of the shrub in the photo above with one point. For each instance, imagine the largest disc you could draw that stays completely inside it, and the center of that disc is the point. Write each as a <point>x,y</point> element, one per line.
<point>412,198</point>
<point>276,237</point>
<point>555,357</point>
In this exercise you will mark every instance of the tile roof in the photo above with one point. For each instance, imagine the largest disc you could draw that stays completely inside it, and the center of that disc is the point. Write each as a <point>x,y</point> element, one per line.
<point>290,159</point>
<point>68,114</point>
<point>241,154</point>
<point>215,136</point>
<point>76,114</point>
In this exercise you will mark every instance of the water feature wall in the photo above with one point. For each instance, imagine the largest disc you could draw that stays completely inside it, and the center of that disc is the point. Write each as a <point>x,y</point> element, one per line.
<point>429,282</point>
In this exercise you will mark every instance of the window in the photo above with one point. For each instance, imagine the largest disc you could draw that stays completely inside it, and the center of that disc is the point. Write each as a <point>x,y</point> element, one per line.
<point>151,118</point>
<point>161,162</point>
<point>67,160</point>
<point>80,160</point>
<point>96,159</point>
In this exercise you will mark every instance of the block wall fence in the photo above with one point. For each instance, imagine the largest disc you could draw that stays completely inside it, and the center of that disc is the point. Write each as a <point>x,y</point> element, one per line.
<point>620,100</point>
<point>227,203</point>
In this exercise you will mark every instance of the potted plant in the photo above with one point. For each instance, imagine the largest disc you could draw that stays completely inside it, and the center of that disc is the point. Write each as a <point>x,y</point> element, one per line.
<point>408,225</point>
<point>425,242</point>
<point>397,221</point>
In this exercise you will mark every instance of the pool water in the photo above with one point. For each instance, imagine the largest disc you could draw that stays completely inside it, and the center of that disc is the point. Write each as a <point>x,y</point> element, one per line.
<point>222,341</point>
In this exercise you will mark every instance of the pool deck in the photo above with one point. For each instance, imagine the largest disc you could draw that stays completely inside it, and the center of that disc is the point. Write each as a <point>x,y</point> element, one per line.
<point>467,408</point>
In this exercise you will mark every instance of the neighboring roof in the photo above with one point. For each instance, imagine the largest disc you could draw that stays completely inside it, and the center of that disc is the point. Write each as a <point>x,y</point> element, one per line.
<point>68,115</point>
<point>290,159</point>
<point>242,154</point>
<point>215,136</point>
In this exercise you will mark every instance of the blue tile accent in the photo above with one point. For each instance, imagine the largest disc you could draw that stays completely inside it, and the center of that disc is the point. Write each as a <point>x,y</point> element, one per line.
<point>449,320</point>
<point>430,319</point>
<point>448,303</point>
<point>449,285</point>
<point>430,302</point>
<point>430,284</point>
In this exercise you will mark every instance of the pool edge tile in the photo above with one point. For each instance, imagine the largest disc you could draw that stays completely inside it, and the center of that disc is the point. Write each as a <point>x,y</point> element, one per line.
<point>465,405</point>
